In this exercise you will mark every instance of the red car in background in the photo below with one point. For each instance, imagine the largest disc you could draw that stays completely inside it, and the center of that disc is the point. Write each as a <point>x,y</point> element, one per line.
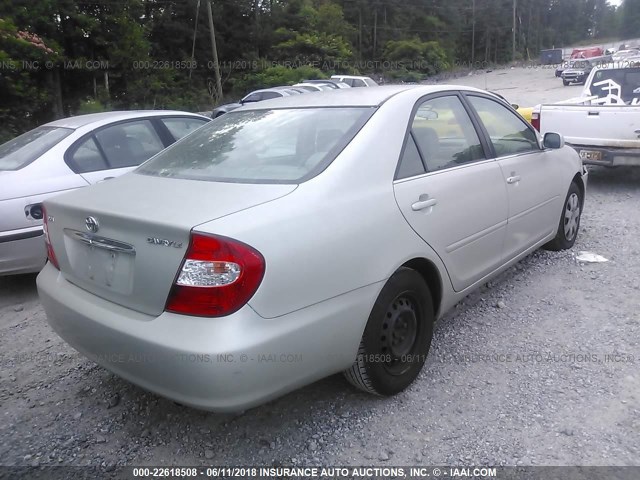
<point>587,52</point>
<point>577,54</point>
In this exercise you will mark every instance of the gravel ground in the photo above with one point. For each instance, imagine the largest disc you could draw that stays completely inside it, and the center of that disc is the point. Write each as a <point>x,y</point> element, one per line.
<point>540,367</point>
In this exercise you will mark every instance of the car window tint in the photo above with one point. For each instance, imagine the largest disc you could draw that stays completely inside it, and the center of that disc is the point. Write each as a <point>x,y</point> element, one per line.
<point>24,149</point>
<point>410,163</point>
<point>276,146</point>
<point>359,83</point>
<point>445,135</point>
<point>254,97</point>
<point>180,127</point>
<point>87,157</point>
<point>129,144</point>
<point>269,95</point>
<point>509,134</point>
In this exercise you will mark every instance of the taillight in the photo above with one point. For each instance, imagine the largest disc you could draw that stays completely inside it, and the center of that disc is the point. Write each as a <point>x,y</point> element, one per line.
<point>535,120</point>
<point>51,255</point>
<point>218,276</point>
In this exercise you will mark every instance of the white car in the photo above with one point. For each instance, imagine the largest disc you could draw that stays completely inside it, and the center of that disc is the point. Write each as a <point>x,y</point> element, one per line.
<point>296,238</point>
<point>67,154</point>
<point>355,81</point>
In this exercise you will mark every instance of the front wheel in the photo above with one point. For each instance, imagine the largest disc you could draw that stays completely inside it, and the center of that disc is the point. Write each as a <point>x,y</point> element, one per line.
<point>569,221</point>
<point>397,338</point>
<point>565,83</point>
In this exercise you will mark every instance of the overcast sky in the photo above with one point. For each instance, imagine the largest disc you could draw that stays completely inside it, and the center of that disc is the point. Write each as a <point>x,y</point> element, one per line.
<point>615,2</point>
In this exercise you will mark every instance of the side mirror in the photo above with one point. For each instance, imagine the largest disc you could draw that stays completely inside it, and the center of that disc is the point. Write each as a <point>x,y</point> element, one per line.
<point>515,106</point>
<point>553,140</point>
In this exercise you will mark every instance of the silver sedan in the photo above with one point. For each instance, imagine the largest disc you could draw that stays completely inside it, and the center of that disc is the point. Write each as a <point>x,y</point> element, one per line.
<point>68,154</point>
<point>305,236</point>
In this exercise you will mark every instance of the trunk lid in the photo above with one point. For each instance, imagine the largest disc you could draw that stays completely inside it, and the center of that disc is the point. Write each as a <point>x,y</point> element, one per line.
<point>124,239</point>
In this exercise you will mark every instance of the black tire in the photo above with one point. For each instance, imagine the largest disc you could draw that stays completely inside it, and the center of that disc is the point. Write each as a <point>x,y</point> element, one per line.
<point>565,83</point>
<point>565,238</point>
<point>397,338</point>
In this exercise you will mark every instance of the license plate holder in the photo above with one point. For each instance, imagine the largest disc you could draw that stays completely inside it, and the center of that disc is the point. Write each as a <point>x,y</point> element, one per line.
<point>594,155</point>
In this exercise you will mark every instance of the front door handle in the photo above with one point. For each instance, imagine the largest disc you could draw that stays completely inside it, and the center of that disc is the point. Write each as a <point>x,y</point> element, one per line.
<point>424,204</point>
<point>513,179</point>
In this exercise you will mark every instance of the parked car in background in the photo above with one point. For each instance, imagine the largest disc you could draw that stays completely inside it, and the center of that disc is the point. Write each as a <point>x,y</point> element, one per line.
<point>589,52</point>
<point>623,55</point>
<point>579,54</point>
<point>602,124</point>
<point>314,87</point>
<point>267,260</point>
<point>355,81</point>
<point>67,154</point>
<point>579,70</point>
<point>256,96</point>
<point>331,83</point>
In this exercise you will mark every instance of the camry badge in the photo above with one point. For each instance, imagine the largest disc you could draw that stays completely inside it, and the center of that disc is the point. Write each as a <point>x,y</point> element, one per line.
<point>163,242</point>
<point>92,224</point>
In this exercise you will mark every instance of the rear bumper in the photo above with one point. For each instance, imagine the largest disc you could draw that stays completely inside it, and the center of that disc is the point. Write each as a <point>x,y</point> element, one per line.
<point>611,157</point>
<point>220,364</point>
<point>22,251</point>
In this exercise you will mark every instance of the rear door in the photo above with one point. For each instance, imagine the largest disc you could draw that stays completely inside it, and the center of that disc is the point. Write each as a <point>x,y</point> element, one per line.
<point>448,190</point>
<point>531,175</point>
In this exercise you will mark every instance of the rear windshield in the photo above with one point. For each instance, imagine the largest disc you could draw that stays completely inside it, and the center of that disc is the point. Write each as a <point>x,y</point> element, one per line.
<point>261,146</point>
<point>22,150</point>
<point>624,82</point>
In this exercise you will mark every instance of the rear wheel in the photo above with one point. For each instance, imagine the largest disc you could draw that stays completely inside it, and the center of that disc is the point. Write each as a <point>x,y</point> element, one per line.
<point>397,338</point>
<point>569,221</point>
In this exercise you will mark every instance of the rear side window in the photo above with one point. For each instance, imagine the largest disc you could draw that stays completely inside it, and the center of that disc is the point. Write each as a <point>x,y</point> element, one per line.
<point>87,157</point>
<point>181,127</point>
<point>261,146</point>
<point>410,164</point>
<point>445,135</point>
<point>21,151</point>
<point>129,144</point>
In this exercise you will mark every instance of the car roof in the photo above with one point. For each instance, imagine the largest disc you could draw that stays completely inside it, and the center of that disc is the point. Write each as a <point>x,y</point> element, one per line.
<point>109,117</point>
<point>351,97</point>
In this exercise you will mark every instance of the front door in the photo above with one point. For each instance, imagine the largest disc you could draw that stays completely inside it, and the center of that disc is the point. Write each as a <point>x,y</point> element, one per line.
<point>530,174</point>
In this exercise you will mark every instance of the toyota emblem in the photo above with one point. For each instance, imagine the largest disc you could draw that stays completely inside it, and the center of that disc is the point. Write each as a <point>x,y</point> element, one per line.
<point>92,224</point>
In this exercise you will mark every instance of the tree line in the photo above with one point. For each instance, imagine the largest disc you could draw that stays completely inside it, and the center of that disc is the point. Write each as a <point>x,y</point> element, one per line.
<point>64,57</point>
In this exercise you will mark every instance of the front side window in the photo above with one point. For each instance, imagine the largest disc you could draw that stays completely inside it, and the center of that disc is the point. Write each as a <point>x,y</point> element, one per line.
<point>253,97</point>
<point>445,135</point>
<point>261,146</point>
<point>270,95</point>
<point>509,134</point>
<point>21,151</point>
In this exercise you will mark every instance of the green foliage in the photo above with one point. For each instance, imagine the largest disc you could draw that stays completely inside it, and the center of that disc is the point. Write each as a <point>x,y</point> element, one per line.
<point>416,56</point>
<point>129,54</point>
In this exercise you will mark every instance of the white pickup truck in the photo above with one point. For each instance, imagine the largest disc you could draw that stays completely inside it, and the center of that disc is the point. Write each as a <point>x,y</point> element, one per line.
<point>602,125</point>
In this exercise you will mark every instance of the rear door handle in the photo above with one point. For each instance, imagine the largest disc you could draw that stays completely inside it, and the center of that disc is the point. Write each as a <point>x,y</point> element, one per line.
<point>424,204</point>
<point>513,179</point>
